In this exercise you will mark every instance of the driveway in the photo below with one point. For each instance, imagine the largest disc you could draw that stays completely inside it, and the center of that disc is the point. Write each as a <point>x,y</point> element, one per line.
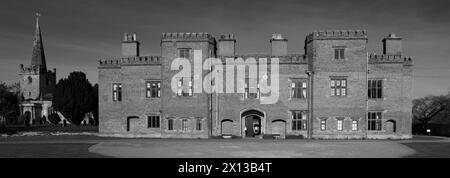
<point>93,146</point>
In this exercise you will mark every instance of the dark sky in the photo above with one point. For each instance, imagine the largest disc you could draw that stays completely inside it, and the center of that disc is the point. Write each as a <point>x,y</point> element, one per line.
<point>77,33</point>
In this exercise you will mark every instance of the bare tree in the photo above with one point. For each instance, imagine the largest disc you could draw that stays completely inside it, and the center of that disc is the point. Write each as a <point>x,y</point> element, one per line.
<point>425,109</point>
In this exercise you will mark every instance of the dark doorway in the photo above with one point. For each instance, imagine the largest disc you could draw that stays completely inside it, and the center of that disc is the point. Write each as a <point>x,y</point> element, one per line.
<point>252,126</point>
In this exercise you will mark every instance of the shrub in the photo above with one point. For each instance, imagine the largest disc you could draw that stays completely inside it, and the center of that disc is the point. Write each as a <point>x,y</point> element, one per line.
<point>54,118</point>
<point>21,119</point>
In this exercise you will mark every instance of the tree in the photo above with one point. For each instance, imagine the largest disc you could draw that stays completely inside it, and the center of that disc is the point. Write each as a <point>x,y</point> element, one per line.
<point>9,102</point>
<point>425,109</point>
<point>74,97</point>
<point>54,118</point>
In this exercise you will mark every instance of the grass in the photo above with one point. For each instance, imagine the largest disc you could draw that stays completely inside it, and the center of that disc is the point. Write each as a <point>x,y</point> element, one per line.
<point>48,150</point>
<point>429,149</point>
<point>47,128</point>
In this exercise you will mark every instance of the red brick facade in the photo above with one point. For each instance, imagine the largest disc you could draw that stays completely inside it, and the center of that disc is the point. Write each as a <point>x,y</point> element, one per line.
<point>317,113</point>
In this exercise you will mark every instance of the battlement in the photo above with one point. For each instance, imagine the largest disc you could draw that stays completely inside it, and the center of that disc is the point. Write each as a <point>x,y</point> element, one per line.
<point>201,36</point>
<point>227,37</point>
<point>337,34</point>
<point>138,60</point>
<point>277,37</point>
<point>387,59</point>
<point>288,59</point>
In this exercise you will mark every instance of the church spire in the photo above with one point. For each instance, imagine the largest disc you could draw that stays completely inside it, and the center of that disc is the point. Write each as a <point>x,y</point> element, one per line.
<point>38,56</point>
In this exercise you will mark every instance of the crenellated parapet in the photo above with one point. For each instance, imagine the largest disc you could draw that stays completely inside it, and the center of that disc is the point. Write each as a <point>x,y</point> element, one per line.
<point>180,36</point>
<point>138,60</point>
<point>337,34</point>
<point>389,59</point>
<point>288,59</point>
<point>227,37</point>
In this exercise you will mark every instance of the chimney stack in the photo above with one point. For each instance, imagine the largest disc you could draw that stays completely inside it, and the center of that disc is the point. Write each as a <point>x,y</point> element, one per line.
<point>279,45</point>
<point>130,45</point>
<point>392,45</point>
<point>227,45</point>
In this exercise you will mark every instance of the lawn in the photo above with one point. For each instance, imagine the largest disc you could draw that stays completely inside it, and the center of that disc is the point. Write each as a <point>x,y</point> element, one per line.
<point>47,128</point>
<point>429,149</point>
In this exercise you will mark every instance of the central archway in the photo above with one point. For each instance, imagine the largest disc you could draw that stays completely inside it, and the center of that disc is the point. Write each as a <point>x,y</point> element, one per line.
<point>253,123</point>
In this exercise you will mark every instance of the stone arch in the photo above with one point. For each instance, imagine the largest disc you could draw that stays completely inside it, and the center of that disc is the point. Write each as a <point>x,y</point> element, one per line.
<point>253,122</point>
<point>129,118</point>
<point>226,127</point>
<point>278,127</point>
<point>391,126</point>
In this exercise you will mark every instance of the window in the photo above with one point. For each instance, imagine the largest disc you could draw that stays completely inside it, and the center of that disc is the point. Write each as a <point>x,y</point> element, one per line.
<point>182,88</point>
<point>117,92</point>
<point>299,121</point>
<point>375,89</point>
<point>198,124</point>
<point>184,53</point>
<point>30,80</point>
<point>153,89</point>
<point>339,53</point>
<point>340,124</point>
<point>338,87</point>
<point>169,124</point>
<point>153,122</point>
<point>323,125</point>
<point>374,121</point>
<point>354,125</point>
<point>184,125</point>
<point>298,89</point>
<point>250,91</point>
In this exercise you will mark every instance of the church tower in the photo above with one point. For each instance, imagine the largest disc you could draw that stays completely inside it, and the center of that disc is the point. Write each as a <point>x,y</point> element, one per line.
<point>37,85</point>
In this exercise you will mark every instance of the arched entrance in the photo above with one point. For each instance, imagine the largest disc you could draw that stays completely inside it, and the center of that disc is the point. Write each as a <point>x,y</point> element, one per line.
<point>129,120</point>
<point>391,126</point>
<point>227,127</point>
<point>279,128</point>
<point>252,123</point>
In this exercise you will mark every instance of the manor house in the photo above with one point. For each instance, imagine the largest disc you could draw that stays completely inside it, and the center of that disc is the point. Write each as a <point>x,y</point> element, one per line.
<point>335,90</point>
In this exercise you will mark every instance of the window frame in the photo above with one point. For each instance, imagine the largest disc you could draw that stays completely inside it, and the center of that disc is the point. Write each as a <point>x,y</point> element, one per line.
<point>184,125</point>
<point>375,124</point>
<point>153,121</point>
<point>375,92</point>
<point>323,125</point>
<point>149,91</point>
<point>170,124</point>
<point>116,92</point>
<point>299,124</point>
<point>198,124</point>
<point>182,53</point>
<point>355,125</point>
<point>340,124</point>
<point>339,53</point>
<point>299,92</point>
<point>339,87</point>
<point>181,92</point>
<point>247,93</point>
